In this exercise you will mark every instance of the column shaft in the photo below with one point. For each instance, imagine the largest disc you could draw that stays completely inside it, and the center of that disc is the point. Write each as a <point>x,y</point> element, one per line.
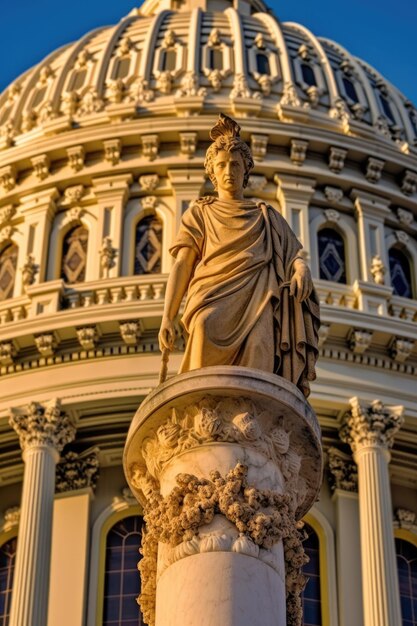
<point>379,569</point>
<point>31,579</point>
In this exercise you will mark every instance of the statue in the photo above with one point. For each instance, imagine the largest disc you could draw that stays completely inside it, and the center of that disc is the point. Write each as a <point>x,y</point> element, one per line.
<point>250,297</point>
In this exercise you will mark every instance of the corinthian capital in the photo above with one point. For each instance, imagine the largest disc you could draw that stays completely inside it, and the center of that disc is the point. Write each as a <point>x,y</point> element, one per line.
<point>371,424</point>
<point>42,425</point>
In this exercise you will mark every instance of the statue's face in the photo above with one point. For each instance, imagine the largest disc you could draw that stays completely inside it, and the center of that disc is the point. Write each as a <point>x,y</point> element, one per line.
<point>229,171</point>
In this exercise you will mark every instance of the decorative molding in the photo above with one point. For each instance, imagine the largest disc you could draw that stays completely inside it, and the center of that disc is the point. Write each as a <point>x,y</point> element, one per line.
<point>378,270</point>
<point>150,145</point>
<point>371,424</point>
<point>333,194</point>
<point>112,151</point>
<point>42,424</point>
<point>46,344</point>
<point>405,217</point>
<point>409,183</point>
<point>149,202</point>
<point>130,332</point>
<point>290,96</point>
<point>343,471</point>
<point>190,87</point>
<point>337,158</point>
<point>298,151</point>
<point>77,471</point>
<point>359,340</point>
<point>188,144</point>
<point>6,214</point>
<point>405,518</point>
<point>331,215</point>
<point>323,334</point>
<point>252,521</point>
<point>76,156</point>
<point>149,182</point>
<point>374,169</point>
<point>401,348</point>
<point>87,337</point>
<point>7,353</point>
<point>107,255</point>
<point>11,518</point>
<point>41,166</point>
<point>72,195</point>
<point>257,182</point>
<point>8,178</point>
<point>402,237</point>
<point>259,145</point>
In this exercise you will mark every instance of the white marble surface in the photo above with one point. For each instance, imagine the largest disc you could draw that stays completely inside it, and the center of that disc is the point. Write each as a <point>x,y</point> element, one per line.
<point>262,474</point>
<point>218,589</point>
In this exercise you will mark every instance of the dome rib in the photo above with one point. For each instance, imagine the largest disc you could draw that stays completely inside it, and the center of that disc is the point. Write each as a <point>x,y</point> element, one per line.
<point>275,29</point>
<point>73,53</point>
<point>370,94</point>
<point>103,64</point>
<point>145,68</point>
<point>394,93</point>
<point>193,52</point>
<point>324,61</point>
<point>239,43</point>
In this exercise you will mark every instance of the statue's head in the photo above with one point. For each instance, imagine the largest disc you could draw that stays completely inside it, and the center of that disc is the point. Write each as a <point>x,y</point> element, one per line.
<point>226,137</point>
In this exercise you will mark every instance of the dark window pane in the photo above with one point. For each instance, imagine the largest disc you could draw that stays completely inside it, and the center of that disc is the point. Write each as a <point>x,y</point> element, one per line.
<point>74,255</point>
<point>148,246</point>
<point>407,570</point>
<point>122,580</point>
<point>8,265</point>
<point>350,89</point>
<point>400,270</point>
<point>215,59</point>
<point>122,68</point>
<point>386,107</point>
<point>7,564</point>
<point>331,256</point>
<point>262,64</point>
<point>77,80</point>
<point>168,60</point>
<point>311,597</point>
<point>308,74</point>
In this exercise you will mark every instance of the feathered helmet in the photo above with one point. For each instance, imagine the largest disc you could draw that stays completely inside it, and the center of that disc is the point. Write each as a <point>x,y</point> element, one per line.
<point>226,136</point>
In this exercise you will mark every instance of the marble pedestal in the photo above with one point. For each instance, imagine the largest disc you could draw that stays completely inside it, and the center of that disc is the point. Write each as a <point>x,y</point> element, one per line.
<point>225,461</point>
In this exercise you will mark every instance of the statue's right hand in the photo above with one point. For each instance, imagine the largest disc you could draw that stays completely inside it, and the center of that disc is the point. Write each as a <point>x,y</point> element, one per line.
<point>166,335</point>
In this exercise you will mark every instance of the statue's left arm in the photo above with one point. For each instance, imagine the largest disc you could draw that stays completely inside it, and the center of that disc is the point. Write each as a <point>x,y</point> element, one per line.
<point>301,281</point>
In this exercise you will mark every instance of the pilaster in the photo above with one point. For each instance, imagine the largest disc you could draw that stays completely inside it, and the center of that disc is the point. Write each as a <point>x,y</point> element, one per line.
<point>187,185</point>
<point>370,430</point>
<point>112,193</point>
<point>294,194</point>
<point>343,478</point>
<point>38,210</point>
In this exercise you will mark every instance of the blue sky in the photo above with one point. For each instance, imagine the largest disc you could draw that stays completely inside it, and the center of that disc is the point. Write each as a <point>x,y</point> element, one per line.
<point>383,32</point>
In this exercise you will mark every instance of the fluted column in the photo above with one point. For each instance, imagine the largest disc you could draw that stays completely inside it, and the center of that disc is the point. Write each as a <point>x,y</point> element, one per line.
<point>43,431</point>
<point>370,432</point>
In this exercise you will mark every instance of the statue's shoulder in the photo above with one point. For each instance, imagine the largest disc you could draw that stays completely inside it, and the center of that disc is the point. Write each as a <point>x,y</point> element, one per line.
<point>203,201</point>
<point>274,215</point>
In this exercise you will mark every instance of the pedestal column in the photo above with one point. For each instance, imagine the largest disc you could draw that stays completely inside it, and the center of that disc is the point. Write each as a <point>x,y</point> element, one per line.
<point>225,461</point>
<point>370,431</point>
<point>43,431</point>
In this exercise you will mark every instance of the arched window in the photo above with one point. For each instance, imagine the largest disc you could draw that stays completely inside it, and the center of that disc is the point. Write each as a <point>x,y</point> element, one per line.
<point>122,580</point>
<point>74,255</point>
<point>148,246</point>
<point>168,60</point>
<point>38,97</point>
<point>350,89</point>
<point>308,74</point>
<point>407,575</point>
<point>262,64</point>
<point>215,59</point>
<point>332,262</point>
<point>121,68</point>
<point>311,595</point>
<point>77,79</point>
<point>7,563</point>
<point>386,107</point>
<point>8,265</point>
<point>400,271</point>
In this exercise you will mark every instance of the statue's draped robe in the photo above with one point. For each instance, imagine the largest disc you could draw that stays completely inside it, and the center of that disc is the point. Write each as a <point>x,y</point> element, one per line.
<point>238,302</point>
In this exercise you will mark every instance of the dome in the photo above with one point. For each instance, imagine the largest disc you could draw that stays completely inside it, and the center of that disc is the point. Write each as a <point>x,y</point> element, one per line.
<point>170,58</point>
